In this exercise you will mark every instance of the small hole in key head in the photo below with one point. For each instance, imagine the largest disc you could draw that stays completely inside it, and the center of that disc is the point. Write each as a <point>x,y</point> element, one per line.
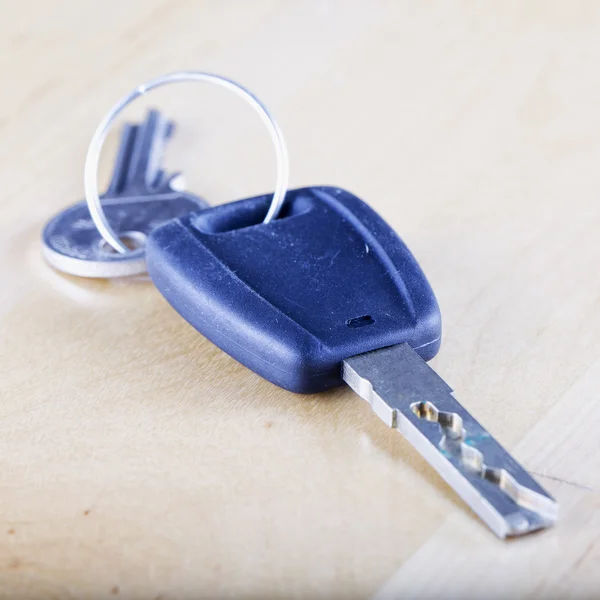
<point>360,321</point>
<point>134,240</point>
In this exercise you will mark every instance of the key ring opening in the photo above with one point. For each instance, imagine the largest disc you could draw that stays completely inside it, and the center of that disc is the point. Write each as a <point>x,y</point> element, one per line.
<point>93,154</point>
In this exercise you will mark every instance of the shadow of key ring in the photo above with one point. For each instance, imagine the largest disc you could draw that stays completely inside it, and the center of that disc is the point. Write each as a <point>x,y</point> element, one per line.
<point>95,147</point>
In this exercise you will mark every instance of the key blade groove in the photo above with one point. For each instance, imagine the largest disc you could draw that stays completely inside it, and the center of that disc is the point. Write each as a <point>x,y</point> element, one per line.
<point>409,396</point>
<point>473,459</point>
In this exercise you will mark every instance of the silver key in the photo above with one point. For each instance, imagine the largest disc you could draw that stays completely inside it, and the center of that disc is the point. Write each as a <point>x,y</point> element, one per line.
<point>141,196</point>
<point>409,396</point>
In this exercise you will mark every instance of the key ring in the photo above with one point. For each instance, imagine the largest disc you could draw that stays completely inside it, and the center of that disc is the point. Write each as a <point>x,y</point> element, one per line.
<point>99,137</point>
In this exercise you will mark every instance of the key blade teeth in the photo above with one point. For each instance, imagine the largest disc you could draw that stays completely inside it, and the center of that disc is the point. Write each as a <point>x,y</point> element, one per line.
<point>541,504</point>
<point>509,501</point>
<point>409,396</point>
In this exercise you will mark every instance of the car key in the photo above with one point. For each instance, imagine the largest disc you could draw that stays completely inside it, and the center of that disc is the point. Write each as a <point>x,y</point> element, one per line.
<point>140,197</point>
<point>329,293</point>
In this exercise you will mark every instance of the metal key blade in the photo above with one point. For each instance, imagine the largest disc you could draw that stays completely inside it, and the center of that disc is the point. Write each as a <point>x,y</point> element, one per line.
<point>118,181</point>
<point>410,397</point>
<point>137,166</point>
<point>143,171</point>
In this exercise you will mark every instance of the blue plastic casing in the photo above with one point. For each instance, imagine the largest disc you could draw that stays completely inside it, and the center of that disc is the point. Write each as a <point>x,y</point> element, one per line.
<point>292,299</point>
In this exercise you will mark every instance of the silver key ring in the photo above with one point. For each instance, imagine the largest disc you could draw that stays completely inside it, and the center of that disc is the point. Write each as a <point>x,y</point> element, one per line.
<point>95,147</point>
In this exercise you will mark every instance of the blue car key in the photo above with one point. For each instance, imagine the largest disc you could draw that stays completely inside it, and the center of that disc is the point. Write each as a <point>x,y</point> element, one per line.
<point>312,293</point>
<point>328,293</point>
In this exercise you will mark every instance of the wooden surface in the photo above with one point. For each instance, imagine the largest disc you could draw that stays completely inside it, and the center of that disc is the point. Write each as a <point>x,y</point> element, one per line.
<point>137,460</point>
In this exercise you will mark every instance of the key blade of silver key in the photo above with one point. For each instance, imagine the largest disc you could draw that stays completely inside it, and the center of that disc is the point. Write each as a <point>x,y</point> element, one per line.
<point>137,169</point>
<point>151,136</point>
<point>409,396</point>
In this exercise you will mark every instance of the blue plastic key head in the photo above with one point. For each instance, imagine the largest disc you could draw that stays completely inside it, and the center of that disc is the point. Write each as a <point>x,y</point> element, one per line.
<point>292,299</point>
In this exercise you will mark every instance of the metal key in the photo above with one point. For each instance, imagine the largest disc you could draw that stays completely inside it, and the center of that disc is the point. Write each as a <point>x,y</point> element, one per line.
<point>329,293</point>
<point>141,196</point>
<point>407,395</point>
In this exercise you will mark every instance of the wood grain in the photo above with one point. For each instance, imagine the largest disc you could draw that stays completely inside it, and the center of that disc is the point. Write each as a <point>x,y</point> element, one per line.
<point>137,460</point>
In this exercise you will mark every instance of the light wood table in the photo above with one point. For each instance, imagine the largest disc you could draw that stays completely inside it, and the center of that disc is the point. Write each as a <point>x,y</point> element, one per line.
<point>137,460</point>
